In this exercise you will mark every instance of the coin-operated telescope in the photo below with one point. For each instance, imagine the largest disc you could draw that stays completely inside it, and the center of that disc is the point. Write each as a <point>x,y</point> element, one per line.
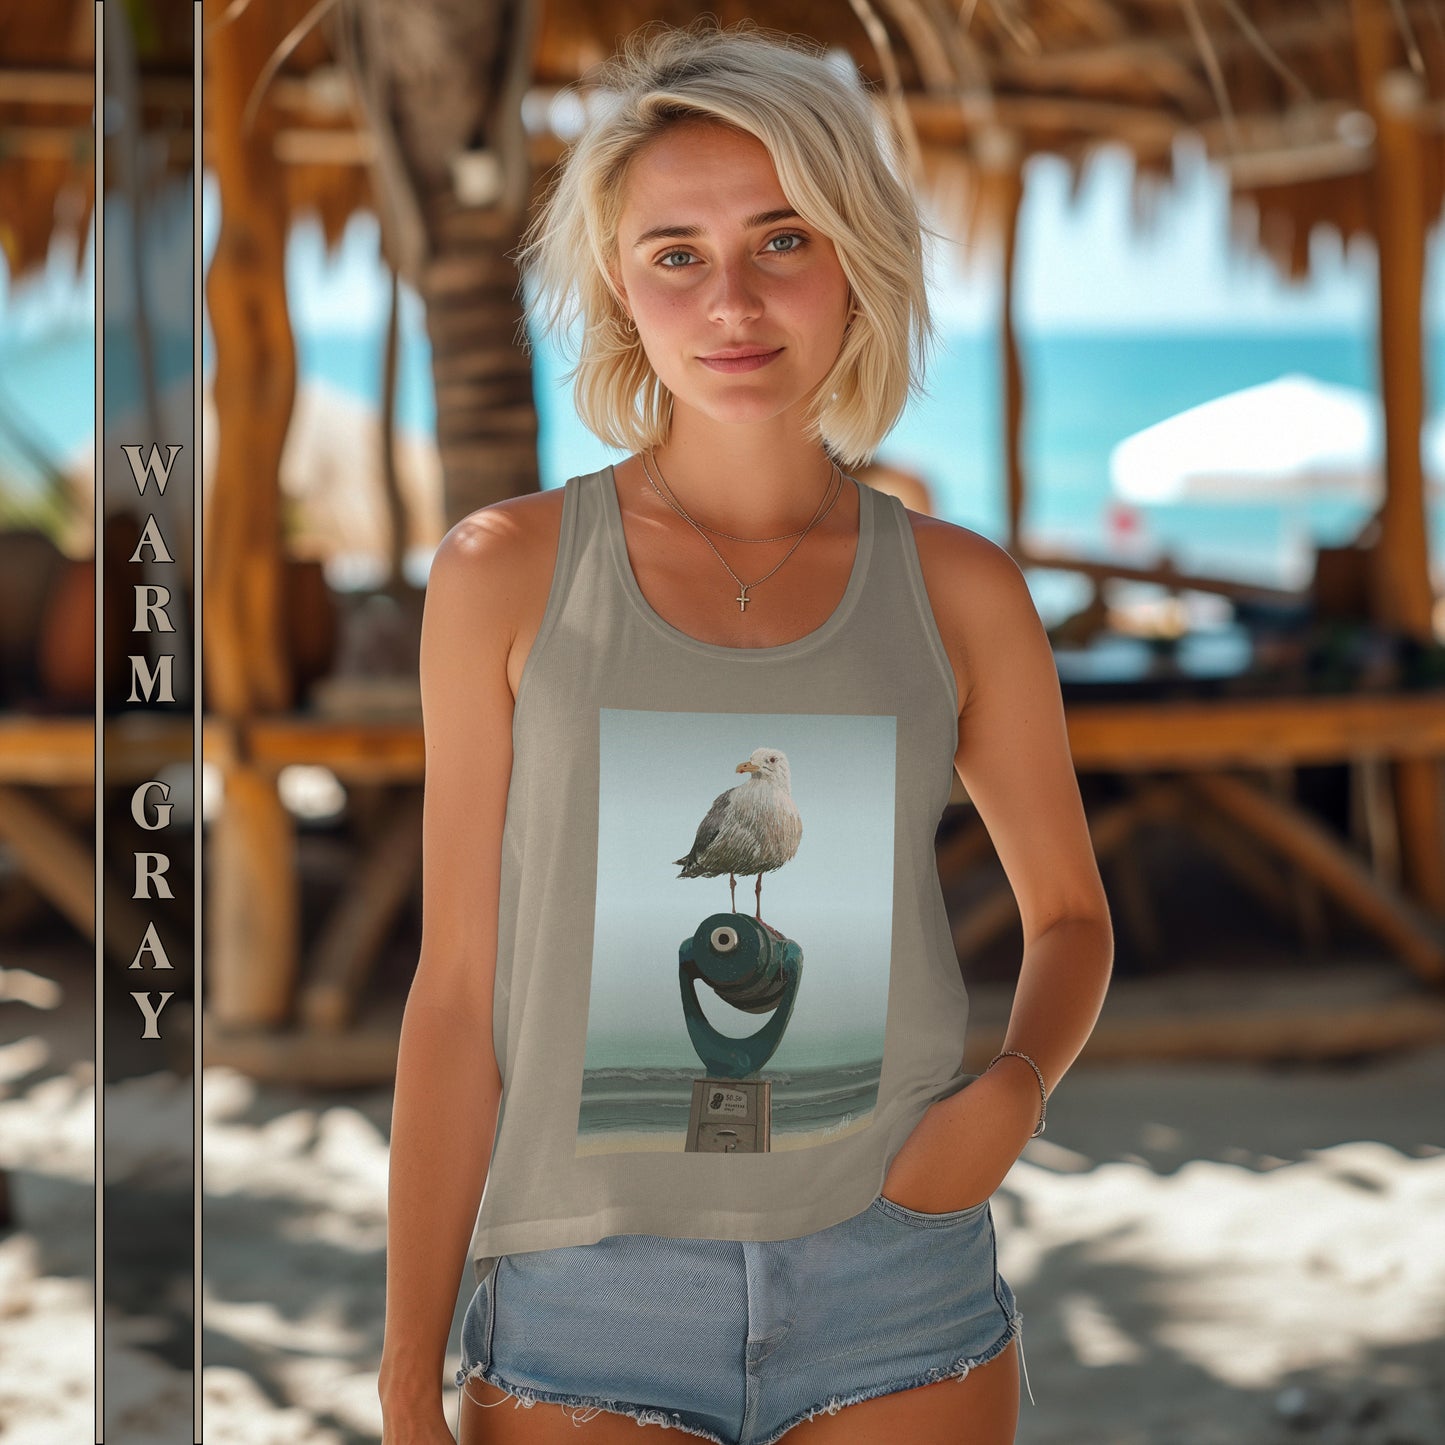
<point>755,968</point>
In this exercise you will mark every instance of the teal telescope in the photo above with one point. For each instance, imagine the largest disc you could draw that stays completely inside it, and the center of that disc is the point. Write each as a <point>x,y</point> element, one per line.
<point>752,968</point>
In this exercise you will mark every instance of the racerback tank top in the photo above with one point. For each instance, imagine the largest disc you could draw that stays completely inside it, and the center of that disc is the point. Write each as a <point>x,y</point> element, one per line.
<point>680,1053</point>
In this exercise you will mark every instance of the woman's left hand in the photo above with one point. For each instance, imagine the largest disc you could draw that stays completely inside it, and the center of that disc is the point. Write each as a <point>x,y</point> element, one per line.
<point>964,1146</point>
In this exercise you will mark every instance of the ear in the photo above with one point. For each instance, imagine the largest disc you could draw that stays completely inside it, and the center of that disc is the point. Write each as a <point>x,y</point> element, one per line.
<point>615,278</point>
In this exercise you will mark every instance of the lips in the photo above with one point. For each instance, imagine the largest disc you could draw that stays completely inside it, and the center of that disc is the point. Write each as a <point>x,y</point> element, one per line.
<point>749,360</point>
<point>739,353</point>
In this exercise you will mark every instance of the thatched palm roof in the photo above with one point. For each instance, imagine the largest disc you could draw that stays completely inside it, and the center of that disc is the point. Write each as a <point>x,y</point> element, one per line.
<point>46,88</point>
<point>1273,88</point>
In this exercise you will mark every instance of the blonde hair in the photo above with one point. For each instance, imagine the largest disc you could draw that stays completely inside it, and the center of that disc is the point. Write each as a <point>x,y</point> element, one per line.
<point>839,168</point>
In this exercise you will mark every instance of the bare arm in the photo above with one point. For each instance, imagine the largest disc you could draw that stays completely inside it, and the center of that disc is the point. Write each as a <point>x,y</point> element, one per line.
<point>1013,757</point>
<point>448,1087</point>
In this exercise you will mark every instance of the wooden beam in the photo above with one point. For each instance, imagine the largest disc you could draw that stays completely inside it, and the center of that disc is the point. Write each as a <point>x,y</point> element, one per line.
<point>1281,150</point>
<point>1163,572</point>
<point>59,865</point>
<point>1294,164</point>
<point>1147,735</point>
<point>1252,732</point>
<point>62,868</point>
<point>1253,867</point>
<point>46,751</point>
<point>1218,1008</point>
<point>313,146</point>
<point>75,85</point>
<point>1109,828</point>
<point>361,1056</point>
<point>342,959</point>
<point>54,751</point>
<point>1297,1029</point>
<point>1300,837</point>
<point>1164,55</point>
<point>72,144</point>
<point>1143,1020</point>
<point>355,749</point>
<point>942,119</point>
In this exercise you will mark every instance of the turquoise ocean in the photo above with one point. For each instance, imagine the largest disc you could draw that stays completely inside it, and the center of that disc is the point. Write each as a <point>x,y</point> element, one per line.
<point>1084,393</point>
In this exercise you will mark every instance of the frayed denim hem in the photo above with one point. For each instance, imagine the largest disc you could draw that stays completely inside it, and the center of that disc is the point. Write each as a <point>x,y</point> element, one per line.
<point>588,1409</point>
<point>521,1395</point>
<point>956,1371</point>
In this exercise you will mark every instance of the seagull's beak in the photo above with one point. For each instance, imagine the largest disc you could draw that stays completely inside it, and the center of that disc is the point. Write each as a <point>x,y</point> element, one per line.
<point>746,768</point>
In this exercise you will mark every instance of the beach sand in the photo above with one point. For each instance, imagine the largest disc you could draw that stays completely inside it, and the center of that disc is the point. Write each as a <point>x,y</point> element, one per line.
<point>657,1141</point>
<point>1220,1254</point>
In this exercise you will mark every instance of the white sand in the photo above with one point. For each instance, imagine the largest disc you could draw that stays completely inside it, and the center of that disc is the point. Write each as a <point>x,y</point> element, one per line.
<point>657,1141</point>
<point>1199,1252</point>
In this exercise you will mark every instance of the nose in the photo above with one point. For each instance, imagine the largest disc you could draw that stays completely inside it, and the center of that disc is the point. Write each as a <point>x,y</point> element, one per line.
<point>735,297</point>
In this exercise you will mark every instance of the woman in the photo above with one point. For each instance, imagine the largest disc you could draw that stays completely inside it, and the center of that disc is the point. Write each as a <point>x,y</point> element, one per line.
<point>708,1249</point>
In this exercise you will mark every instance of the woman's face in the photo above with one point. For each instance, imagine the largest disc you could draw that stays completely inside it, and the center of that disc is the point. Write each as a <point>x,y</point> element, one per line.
<point>711,259</point>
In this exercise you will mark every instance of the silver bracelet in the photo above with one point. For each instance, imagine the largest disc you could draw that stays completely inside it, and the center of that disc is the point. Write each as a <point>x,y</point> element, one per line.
<point>1043,1092</point>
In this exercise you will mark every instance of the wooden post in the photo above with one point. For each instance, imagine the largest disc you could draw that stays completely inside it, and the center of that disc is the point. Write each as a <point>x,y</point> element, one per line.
<point>1400,560</point>
<point>255,920</point>
<point>253,907</point>
<point>1007,182</point>
<point>255,381</point>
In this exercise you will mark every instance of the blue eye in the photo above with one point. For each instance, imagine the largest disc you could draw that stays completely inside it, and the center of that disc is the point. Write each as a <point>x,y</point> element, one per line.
<point>798,243</point>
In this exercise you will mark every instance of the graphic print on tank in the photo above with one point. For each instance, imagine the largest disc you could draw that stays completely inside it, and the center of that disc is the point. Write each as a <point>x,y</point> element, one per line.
<point>743,930</point>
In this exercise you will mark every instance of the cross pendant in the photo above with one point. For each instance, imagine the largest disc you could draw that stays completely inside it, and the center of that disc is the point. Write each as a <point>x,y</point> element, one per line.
<point>743,599</point>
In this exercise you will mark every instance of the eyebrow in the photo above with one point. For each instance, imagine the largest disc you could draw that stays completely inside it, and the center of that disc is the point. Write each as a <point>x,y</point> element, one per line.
<point>763,218</point>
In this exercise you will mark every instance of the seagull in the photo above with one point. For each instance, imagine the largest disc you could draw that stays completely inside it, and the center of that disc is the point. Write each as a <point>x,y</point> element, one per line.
<point>752,828</point>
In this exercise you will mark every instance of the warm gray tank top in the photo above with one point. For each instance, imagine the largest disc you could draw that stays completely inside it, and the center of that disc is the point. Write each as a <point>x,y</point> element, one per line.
<point>670,1065</point>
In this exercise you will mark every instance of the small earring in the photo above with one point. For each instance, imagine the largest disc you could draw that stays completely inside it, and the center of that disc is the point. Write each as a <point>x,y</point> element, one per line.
<point>630,325</point>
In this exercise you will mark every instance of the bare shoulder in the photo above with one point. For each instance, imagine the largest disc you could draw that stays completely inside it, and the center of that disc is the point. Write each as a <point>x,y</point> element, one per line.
<point>490,578</point>
<point>476,600</point>
<point>976,589</point>
<point>502,538</point>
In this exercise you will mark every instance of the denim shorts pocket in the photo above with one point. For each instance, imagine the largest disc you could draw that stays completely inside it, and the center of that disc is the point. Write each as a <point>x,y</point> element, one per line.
<point>477,1327</point>
<point>922,1218</point>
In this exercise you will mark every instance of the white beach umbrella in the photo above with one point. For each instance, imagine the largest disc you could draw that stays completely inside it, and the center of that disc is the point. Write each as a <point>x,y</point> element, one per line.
<point>1285,440</point>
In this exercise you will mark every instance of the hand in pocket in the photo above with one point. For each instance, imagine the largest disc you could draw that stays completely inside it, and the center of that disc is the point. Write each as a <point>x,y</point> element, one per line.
<point>962,1148</point>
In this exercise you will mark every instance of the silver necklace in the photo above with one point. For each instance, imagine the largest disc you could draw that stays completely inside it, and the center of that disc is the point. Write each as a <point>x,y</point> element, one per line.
<point>743,599</point>
<point>677,507</point>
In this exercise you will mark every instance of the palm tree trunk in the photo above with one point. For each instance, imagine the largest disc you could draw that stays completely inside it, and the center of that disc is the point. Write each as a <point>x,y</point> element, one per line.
<point>486,414</point>
<point>441,82</point>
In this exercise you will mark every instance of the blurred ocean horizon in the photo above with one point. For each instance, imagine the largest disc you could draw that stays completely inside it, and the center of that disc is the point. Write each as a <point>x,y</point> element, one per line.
<point>1085,392</point>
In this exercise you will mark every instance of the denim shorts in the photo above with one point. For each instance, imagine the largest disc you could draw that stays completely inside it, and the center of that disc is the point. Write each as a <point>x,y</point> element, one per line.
<point>738,1341</point>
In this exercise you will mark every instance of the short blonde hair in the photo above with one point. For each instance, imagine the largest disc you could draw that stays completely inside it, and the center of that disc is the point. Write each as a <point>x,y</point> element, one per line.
<point>839,164</point>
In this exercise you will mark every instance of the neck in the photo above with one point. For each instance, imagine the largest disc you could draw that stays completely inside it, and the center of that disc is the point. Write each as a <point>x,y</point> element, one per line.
<point>755,481</point>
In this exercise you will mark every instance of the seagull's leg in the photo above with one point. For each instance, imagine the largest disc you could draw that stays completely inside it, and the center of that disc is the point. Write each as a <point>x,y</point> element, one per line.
<point>733,891</point>
<point>758,893</point>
